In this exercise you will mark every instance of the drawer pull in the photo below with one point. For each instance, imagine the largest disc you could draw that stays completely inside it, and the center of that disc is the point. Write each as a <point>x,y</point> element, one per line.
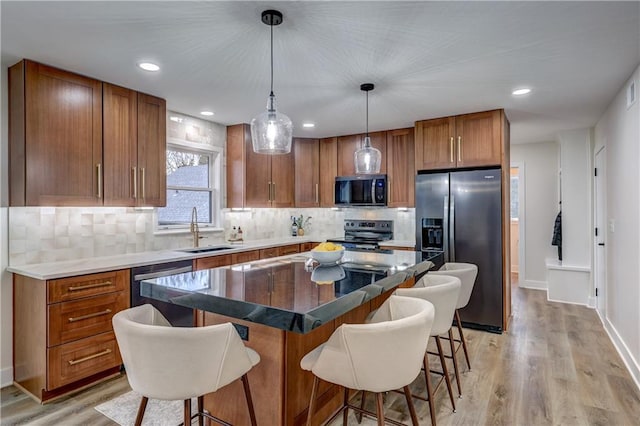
<point>84,287</point>
<point>87,358</point>
<point>95,314</point>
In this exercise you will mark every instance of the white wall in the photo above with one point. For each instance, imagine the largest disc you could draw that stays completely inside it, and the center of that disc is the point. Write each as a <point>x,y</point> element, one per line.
<point>540,162</point>
<point>575,193</point>
<point>619,130</point>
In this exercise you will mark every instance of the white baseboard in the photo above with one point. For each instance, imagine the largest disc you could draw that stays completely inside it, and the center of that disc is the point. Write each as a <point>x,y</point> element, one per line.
<point>6,377</point>
<point>629,362</point>
<point>533,285</point>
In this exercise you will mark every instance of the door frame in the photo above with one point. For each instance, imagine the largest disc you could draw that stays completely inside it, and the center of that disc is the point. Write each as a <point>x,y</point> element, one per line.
<point>521,218</point>
<point>600,200</point>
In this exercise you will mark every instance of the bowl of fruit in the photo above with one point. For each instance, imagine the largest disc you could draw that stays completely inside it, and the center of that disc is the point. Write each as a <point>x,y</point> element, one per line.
<point>327,253</point>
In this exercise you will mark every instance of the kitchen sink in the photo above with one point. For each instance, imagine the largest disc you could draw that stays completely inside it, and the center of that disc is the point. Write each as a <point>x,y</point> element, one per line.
<point>205,249</point>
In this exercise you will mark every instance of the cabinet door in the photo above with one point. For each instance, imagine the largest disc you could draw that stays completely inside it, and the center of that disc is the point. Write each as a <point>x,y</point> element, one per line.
<point>400,168</point>
<point>120,137</point>
<point>307,167</point>
<point>237,135</point>
<point>434,142</point>
<point>63,138</point>
<point>152,151</point>
<point>282,180</point>
<point>478,139</point>
<point>328,171</point>
<point>257,181</point>
<point>347,146</point>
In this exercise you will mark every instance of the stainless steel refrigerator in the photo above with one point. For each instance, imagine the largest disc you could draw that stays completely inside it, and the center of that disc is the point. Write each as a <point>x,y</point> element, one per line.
<point>458,219</point>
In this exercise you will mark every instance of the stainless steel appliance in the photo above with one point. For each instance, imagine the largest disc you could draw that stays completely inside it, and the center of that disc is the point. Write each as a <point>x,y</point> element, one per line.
<point>458,219</point>
<point>365,234</point>
<point>178,316</point>
<point>361,190</point>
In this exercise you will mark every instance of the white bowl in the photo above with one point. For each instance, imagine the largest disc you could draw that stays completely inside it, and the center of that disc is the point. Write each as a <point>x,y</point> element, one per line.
<point>327,257</point>
<point>327,274</point>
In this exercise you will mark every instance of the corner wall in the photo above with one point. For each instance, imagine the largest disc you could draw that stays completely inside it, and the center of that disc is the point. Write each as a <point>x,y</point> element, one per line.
<point>619,131</point>
<point>541,206</point>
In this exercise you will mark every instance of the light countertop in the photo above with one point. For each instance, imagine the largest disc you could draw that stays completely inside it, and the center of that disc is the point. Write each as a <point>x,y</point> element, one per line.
<point>68,268</point>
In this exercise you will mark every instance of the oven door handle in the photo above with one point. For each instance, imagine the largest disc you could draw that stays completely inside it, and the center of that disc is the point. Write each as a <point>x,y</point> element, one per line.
<point>164,273</point>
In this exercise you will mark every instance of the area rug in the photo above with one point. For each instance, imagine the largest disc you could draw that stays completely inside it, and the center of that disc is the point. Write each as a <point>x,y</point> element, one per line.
<point>123,410</point>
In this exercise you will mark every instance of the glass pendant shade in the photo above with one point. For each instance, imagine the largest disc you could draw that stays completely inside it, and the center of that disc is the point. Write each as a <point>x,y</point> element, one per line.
<point>367,158</point>
<point>271,131</point>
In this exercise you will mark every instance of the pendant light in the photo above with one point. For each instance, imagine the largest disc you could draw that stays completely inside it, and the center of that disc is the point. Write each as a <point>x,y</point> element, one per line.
<point>271,131</point>
<point>367,158</point>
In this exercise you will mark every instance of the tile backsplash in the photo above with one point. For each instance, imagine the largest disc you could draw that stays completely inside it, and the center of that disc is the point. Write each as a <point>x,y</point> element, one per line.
<point>48,234</point>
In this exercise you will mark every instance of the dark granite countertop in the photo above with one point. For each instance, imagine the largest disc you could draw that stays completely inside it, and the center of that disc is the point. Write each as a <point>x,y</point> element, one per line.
<point>288,293</point>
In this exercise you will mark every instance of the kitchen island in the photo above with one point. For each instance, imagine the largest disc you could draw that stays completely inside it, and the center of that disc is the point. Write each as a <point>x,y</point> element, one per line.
<point>283,308</point>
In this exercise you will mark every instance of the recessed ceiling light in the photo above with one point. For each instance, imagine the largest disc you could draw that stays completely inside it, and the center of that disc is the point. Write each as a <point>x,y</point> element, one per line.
<point>148,66</point>
<point>207,113</point>
<point>308,125</point>
<point>518,92</point>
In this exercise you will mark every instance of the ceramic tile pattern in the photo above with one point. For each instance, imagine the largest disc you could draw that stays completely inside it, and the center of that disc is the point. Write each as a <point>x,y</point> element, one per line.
<point>47,234</point>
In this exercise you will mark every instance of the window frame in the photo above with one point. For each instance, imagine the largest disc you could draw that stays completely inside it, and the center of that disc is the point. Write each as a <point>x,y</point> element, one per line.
<point>215,155</point>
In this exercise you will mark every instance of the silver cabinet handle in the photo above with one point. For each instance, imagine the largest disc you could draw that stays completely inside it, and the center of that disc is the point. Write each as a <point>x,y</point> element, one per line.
<point>274,192</point>
<point>88,286</point>
<point>459,149</point>
<point>317,195</point>
<point>134,172</point>
<point>87,358</point>
<point>269,192</point>
<point>99,173</point>
<point>451,148</point>
<point>142,186</point>
<point>95,314</point>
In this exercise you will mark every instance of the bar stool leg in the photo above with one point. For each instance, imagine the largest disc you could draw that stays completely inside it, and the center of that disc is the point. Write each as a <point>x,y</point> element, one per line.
<point>427,376</point>
<point>200,410</point>
<point>455,361</point>
<point>412,408</point>
<point>141,409</point>
<point>345,410</point>
<point>380,409</point>
<point>247,394</point>
<point>464,342</point>
<point>187,412</point>
<point>312,402</point>
<point>443,361</point>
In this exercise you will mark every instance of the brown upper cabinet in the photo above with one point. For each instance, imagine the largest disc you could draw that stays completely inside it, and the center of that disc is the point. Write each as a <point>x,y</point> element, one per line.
<point>400,168</point>
<point>134,148</point>
<point>328,170</point>
<point>468,140</point>
<point>76,141</point>
<point>307,170</point>
<point>348,145</point>
<point>256,180</point>
<point>55,137</point>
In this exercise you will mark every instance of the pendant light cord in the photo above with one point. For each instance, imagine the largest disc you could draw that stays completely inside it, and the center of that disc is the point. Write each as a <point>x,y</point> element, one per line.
<point>367,113</point>
<point>271,25</point>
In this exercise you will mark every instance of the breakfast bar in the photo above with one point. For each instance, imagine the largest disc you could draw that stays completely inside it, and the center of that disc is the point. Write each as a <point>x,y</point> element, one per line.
<point>283,308</point>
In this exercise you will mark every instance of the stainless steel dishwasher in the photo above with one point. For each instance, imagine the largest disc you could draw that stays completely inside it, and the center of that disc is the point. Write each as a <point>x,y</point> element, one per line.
<point>178,316</point>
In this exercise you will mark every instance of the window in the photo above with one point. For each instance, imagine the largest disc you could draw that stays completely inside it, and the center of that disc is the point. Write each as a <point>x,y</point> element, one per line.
<point>515,202</point>
<point>192,181</point>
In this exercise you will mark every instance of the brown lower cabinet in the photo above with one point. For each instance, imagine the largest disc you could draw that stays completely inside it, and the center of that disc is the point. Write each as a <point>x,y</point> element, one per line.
<point>63,338</point>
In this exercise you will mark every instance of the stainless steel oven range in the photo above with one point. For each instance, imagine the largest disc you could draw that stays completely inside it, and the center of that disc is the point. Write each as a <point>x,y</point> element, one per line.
<point>365,235</point>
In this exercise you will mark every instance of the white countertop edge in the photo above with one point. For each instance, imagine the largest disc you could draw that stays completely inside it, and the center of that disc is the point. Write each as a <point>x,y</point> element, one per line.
<point>399,243</point>
<point>69,268</point>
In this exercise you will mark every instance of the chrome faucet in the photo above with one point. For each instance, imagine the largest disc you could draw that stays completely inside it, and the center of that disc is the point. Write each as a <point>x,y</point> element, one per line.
<point>193,227</point>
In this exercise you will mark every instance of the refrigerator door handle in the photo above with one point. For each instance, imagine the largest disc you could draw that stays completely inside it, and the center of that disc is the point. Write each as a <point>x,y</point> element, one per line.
<point>452,229</point>
<point>445,228</point>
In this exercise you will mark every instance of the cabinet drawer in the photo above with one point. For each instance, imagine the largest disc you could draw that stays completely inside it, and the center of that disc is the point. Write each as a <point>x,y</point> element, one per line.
<point>247,256</point>
<point>213,262</point>
<point>269,252</point>
<point>291,249</point>
<point>77,360</point>
<point>87,285</point>
<point>69,321</point>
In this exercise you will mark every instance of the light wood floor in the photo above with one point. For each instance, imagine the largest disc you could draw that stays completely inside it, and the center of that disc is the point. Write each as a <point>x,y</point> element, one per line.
<point>556,366</point>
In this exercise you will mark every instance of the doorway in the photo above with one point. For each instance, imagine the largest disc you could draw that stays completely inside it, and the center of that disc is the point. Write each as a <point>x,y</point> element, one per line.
<point>517,222</point>
<point>600,249</point>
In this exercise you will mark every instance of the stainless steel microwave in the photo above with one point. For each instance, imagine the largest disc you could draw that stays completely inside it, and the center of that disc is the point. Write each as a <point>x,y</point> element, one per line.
<point>361,190</point>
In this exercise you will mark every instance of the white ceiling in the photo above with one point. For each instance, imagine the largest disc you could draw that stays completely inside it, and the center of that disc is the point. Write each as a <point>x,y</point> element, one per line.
<point>427,59</point>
